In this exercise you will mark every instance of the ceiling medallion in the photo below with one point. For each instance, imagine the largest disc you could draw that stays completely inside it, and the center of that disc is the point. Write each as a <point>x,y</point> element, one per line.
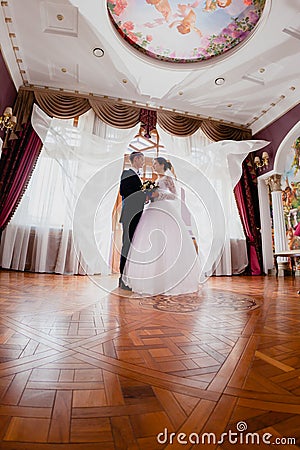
<point>184,32</point>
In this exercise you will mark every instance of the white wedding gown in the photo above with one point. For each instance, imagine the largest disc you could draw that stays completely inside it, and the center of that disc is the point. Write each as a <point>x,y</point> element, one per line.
<point>162,258</point>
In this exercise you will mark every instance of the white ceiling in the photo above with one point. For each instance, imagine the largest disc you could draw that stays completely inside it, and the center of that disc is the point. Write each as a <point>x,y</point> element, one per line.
<point>262,77</point>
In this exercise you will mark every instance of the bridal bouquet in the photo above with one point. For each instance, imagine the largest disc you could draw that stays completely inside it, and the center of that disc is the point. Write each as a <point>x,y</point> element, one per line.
<point>149,187</point>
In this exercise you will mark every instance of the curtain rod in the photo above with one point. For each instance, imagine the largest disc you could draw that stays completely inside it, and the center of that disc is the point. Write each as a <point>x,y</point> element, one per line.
<point>133,103</point>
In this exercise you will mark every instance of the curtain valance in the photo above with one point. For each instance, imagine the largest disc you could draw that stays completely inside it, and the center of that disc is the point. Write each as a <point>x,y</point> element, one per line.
<point>177,124</point>
<point>220,132</point>
<point>118,115</point>
<point>61,106</point>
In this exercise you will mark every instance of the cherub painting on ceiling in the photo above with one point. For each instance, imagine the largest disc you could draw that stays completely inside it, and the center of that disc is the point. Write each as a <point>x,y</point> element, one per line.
<point>183,17</point>
<point>184,31</point>
<point>212,5</point>
<point>186,21</point>
<point>162,6</point>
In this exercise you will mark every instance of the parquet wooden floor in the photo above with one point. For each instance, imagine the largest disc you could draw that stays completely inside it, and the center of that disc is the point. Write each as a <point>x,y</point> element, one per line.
<point>84,369</point>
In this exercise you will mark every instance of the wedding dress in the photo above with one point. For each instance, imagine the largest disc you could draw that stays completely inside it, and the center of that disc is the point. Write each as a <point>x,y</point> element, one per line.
<point>162,258</point>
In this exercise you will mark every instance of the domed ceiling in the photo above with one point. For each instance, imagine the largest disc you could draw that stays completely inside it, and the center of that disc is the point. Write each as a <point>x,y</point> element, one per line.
<point>185,32</point>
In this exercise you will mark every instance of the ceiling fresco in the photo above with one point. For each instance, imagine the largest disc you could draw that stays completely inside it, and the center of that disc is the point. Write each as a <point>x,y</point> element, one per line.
<point>184,32</point>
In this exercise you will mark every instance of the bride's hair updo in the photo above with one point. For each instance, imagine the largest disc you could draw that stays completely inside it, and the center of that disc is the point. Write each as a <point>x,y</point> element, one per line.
<point>166,163</point>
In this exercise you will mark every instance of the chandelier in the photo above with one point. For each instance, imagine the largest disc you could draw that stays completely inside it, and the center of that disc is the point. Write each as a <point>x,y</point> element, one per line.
<point>7,120</point>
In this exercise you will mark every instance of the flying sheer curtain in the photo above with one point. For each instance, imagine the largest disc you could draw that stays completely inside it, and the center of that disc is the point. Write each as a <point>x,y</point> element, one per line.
<point>63,222</point>
<point>218,163</point>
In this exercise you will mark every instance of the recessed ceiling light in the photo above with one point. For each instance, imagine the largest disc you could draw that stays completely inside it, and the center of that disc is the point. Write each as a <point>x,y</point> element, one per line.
<point>262,70</point>
<point>60,17</point>
<point>219,81</point>
<point>98,52</point>
<point>180,93</point>
<point>63,69</point>
<point>124,80</point>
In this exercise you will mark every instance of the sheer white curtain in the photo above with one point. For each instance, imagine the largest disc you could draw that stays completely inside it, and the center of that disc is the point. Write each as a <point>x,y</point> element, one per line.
<point>213,169</point>
<point>63,223</point>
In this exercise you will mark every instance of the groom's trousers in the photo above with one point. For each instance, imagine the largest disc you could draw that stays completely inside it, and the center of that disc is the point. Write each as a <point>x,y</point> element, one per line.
<point>129,227</point>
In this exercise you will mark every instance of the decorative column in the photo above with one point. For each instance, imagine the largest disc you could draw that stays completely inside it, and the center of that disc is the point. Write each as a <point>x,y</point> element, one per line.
<point>280,239</point>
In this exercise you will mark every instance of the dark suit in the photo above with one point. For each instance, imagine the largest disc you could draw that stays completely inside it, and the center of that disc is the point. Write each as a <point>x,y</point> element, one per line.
<point>133,200</point>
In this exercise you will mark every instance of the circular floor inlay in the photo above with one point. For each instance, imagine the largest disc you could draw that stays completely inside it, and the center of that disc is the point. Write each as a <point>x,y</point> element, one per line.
<point>212,300</point>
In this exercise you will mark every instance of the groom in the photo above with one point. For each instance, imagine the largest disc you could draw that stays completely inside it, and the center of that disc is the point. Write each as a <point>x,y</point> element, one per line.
<point>133,200</point>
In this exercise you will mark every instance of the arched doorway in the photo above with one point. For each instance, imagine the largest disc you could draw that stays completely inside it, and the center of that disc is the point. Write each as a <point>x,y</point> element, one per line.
<point>283,154</point>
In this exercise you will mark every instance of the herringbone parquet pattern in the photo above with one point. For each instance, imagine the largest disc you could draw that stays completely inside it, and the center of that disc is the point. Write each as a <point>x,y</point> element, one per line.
<point>84,369</point>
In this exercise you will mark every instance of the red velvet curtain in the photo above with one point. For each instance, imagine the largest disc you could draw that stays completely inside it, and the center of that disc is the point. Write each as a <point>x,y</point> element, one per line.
<point>17,162</point>
<point>247,201</point>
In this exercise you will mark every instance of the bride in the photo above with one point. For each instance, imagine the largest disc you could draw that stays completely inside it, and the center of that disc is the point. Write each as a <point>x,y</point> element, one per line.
<point>162,258</point>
